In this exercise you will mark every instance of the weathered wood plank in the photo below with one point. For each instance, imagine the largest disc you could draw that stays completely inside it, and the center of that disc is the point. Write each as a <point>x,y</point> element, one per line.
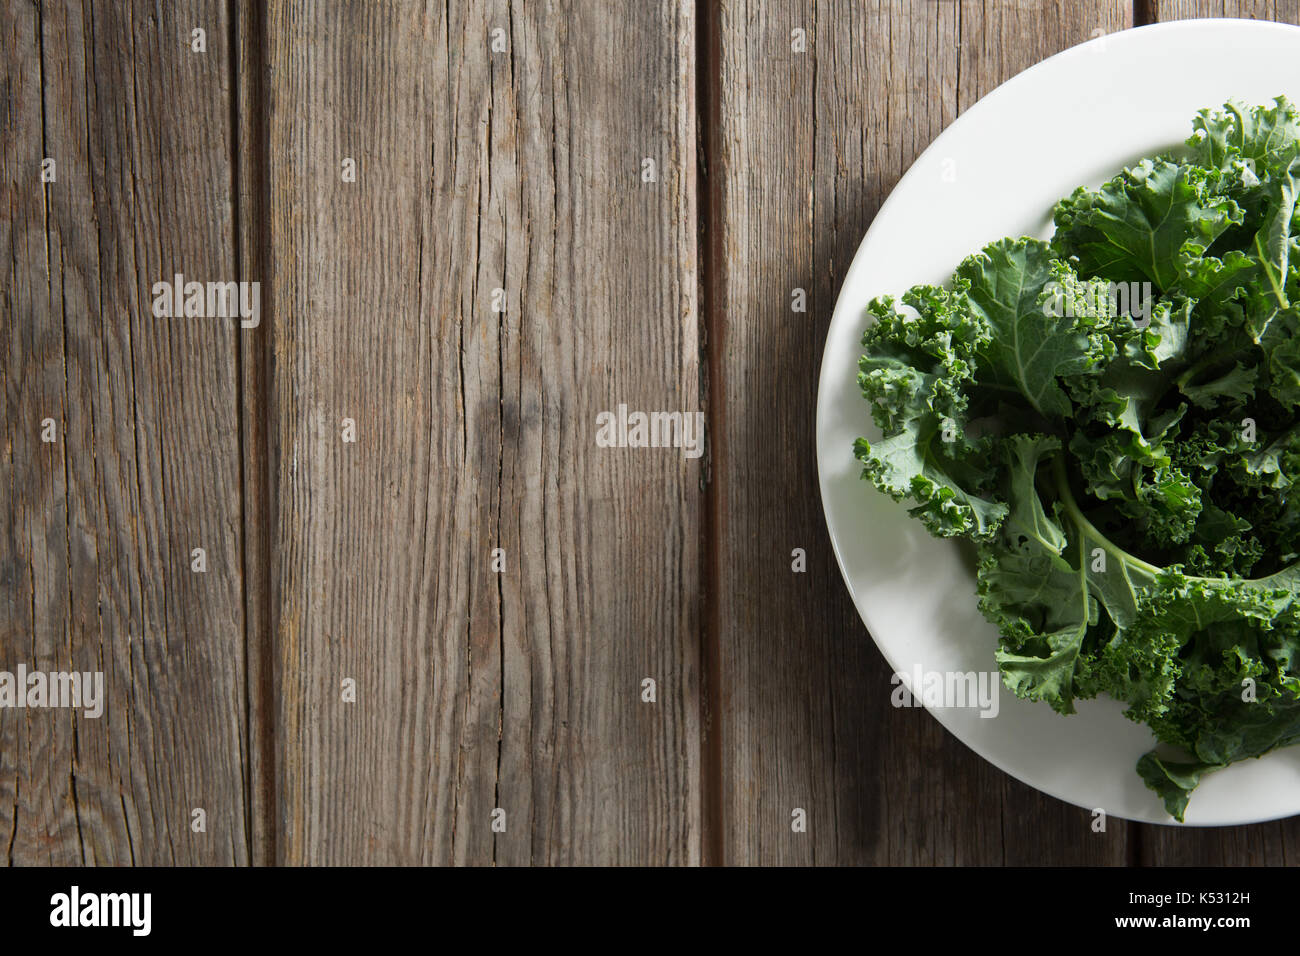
<point>98,526</point>
<point>516,169</point>
<point>808,146</point>
<point>1269,844</point>
<point>1286,11</point>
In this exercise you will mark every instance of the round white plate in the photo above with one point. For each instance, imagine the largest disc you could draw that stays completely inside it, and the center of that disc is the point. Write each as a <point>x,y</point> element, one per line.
<point>1075,119</point>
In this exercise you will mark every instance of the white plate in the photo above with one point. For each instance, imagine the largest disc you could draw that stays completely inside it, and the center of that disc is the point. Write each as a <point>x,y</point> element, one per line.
<point>1072,120</point>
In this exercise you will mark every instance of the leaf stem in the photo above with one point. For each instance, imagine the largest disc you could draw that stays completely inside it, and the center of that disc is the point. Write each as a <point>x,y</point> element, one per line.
<point>1086,526</point>
<point>1090,530</point>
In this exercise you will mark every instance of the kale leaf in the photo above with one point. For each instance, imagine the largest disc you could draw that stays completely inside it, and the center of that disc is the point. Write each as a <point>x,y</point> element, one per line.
<point>1111,417</point>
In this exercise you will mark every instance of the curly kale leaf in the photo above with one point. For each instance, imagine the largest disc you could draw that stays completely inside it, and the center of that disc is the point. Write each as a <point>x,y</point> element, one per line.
<point>1222,139</point>
<point>912,373</point>
<point>1012,289</point>
<point>1138,225</point>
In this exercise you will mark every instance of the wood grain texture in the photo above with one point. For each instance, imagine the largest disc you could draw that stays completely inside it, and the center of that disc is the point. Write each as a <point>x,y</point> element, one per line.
<point>98,527</point>
<point>516,169</point>
<point>808,146</point>
<point>477,170</point>
<point>1286,11</point>
<point>1269,844</point>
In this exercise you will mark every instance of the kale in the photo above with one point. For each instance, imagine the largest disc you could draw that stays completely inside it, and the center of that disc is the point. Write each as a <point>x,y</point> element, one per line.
<point>1111,417</point>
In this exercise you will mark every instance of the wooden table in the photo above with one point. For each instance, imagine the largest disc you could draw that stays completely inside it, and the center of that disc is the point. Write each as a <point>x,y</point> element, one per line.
<point>556,210</point>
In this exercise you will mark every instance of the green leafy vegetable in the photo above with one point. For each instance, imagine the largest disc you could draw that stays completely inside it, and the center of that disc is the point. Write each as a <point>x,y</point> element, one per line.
<point>1111,417</point>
